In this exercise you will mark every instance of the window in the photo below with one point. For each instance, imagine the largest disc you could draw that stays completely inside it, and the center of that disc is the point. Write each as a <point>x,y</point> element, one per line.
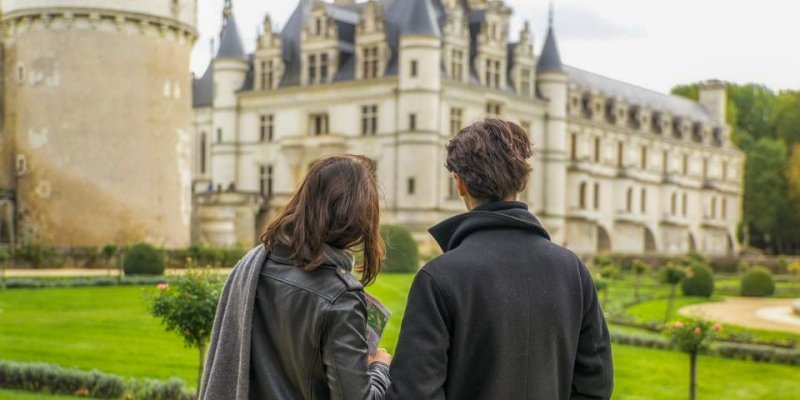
<point>266,180</point>
<point>312,68</point>
<point>323,67</point>
<point>318,27</point>
<point>724,170</point>
<point>643,200</point>
<point>21,73</point>
<point>219,135</point>
<point>596,196</point>
<point>370,63</point>
<point>673,204</point>
<point>597,149</point>
<point>494,109</point>
<point>457,64</point>
<point>412,122</point>
<point>319,124</point>
<point>267,128</point>
<point>582,196</point>
<point>665,162</point>
<point>413,68</point>
<point>705,168</point>
<point>724,210</point>
<point>456,115</point>
<point>452,190</point>
<point>492,73</point>
<point>573,147</point>
<point>497,74</point>
<point>629,200</point>
<point>369,120</point>
<point>644,158</point>
<point>525,82</point>
<point>412,183</point>
<point>203,149</point>
<point>22,165</point>
<point>686,164</point>
<point>620,154</point>
<point>684,204</point>
<point>267,75</point>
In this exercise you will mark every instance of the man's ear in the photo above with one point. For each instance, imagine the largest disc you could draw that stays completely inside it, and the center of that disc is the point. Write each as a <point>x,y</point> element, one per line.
<point>462,188</point>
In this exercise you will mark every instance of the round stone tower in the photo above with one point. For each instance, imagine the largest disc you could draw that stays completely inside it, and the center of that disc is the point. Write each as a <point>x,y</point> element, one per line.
<point>97,99</point>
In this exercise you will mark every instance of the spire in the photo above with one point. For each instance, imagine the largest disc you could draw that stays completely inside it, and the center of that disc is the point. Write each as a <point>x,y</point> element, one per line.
<point>550,59</point>
<point>421,19</point>
<point>230,43</point>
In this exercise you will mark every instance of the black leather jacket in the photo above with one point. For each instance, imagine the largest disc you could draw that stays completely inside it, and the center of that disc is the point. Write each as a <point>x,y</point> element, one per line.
<point>308,338</point>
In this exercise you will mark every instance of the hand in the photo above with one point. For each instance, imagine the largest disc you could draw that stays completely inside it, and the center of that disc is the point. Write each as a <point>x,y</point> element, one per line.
<point>380,356</point>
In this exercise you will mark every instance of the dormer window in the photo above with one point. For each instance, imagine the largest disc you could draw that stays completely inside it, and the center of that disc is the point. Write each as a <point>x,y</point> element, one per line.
<point>457,64</point>
<point>312,68</point>
<point>318,27</point>
<point>267,75</point>
<point>525,82</point>
<point>492,73</point>
<point>370,63</point>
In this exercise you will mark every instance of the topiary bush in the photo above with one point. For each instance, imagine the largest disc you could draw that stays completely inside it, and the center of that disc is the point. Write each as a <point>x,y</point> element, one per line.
<point>757,282</point>
<point>144,259</point>
<point>699,281</point>
<point>402,254</point>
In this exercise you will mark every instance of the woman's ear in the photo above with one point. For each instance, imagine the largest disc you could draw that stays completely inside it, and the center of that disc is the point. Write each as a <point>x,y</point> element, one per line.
<point>462,188</point>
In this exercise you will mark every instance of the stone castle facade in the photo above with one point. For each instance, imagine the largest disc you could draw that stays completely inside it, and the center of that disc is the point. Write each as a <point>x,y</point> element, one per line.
<point>95,142</point>
<point>618,168</point>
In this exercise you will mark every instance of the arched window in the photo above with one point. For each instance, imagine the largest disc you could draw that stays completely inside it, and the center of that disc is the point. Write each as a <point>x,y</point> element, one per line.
<point>596,196</point>
<point>629,200</point>
<point>582,196</point>
<point>643,200</point>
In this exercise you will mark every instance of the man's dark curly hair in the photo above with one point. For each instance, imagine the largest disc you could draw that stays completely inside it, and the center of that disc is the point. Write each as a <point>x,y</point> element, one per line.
<point>491,157</point>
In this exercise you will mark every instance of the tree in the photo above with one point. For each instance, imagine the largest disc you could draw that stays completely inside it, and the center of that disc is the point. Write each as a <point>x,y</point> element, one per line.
<point>639,268</point>
<point>671,275</point>
<point>187,307</point>
<point>110,252</point>
<point>4,257</point>
<point>766,203</point>
<point>692,338</point>
<point>785,118</point>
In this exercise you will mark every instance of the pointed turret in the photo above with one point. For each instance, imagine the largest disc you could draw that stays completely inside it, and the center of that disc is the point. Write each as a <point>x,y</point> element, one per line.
<point>421,19</point>
<point>550,59</point>
<point>230,43</point>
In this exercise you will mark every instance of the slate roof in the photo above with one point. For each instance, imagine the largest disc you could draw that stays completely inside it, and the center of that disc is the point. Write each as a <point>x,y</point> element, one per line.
<point>203,89</point>
<point>230,44</point>
<point>637,95</point>
<point>550,59</point>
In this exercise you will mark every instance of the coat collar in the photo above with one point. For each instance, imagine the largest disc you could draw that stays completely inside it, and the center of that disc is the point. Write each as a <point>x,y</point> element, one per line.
<point>495,215</point>
<point>331,256</point>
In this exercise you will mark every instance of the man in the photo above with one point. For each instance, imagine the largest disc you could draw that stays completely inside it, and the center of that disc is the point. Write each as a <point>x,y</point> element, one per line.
<point>504,313</point>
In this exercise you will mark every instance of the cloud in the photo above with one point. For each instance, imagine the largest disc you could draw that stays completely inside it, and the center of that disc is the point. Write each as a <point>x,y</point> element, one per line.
<point>578,22</point>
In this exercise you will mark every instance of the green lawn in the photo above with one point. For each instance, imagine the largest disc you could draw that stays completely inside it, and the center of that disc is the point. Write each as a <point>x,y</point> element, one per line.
<point>108,328</point>
<point>17,395</point>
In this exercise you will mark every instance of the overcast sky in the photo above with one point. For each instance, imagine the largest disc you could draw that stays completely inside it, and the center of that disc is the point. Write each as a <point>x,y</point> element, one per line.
<point>655,44</point>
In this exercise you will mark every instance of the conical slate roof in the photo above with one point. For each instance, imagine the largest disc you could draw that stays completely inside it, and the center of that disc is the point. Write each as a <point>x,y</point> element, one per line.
<point>230,43</point>
<point>550,59</point>
<point>420,19</point>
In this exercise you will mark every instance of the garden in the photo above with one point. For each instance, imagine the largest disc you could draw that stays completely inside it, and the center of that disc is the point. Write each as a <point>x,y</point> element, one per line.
<point>115,337</point>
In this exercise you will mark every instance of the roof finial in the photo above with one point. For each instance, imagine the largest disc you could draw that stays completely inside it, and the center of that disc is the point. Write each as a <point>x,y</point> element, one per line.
<point>550,15</point>
<point>227,10</point>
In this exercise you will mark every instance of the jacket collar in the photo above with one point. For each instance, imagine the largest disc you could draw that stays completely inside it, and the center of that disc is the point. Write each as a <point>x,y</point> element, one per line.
<point>495,215</point>
<point>331,256</point>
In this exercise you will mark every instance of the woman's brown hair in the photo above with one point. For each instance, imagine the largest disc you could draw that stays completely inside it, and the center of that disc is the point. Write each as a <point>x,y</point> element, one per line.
<point>337,203</point>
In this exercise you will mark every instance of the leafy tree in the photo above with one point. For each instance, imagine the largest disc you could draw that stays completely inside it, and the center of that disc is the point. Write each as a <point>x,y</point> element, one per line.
<point>754,104</point>
<point>692,338</point>
<point>766,202</point>
<point>187,307</point>
<point>785,118</point>
<point>672,275</point>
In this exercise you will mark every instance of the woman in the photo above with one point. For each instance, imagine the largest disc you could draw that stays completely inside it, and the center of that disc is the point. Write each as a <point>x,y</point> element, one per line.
<point>291,321</point>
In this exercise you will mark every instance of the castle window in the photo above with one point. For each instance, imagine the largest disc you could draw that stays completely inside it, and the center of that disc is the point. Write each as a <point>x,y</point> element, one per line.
<point>629,200</point>
<point>456,115</point>
<point>412,186</point>
<point>370,63</point>
<point>525,82</point>
<point>643,200</point>
<point>705,168</point>
<point>713,207</point>
<point>413,68</point>
<point>318,124</point>
<point>267,75</point>
<point>724,170</point>
<point>318,27</point>
<point>457,64</point>
<point>673,204</point>
<point>323,67</point>
<point>267,128</point>
<point>412,122</point>
<point>596,196</point>
<point>312,68</point>
<point>203,150</point>
<point>497,74</point>
<point>597,148</point>
<point>21,73</point>
<point>665,162</point>
<point>644,158</point>
<point>684,204</point>
<point>573,148</point>
<point>219,135</point>
<point>620,154</point>
<point>724,210</point>
<point>686,164</point>
<point>494,109</point>
<point>266,180</point>
<point>492,73</point>
<point>582,196</point>
<point>369,120</point>
<point>22,165</point>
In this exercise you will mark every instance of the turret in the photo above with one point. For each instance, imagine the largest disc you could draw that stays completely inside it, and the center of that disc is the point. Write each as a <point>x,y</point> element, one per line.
<point>551,81</point>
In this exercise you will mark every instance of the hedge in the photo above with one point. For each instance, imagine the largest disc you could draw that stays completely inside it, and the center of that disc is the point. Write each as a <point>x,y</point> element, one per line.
<point>699,281</point>
<point>44,283</point>
<point>52,379</point>
<point>402,254</point>
<point>757,282</point>
<point>144,259</point>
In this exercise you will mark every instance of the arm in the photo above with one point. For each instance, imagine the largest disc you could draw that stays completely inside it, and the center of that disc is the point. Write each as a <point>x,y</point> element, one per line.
<point>419,369</point>
<point>593,377</point>
<point>344,352</point>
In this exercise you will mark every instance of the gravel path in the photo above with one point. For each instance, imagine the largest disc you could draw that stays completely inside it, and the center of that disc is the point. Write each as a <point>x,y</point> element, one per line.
<point>771,314</point>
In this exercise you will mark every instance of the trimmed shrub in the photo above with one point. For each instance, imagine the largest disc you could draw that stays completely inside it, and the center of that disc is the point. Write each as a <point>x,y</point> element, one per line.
<point>402,254</point>
<point>757,282</point>
<point>699,281</point>
<point>34,254</point>
<point>144,259</point>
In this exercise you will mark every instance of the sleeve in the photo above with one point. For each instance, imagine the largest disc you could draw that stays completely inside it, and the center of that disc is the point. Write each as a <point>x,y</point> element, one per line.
<point>344,352</point>
<point>593,376</point>
<point>419,368</point>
